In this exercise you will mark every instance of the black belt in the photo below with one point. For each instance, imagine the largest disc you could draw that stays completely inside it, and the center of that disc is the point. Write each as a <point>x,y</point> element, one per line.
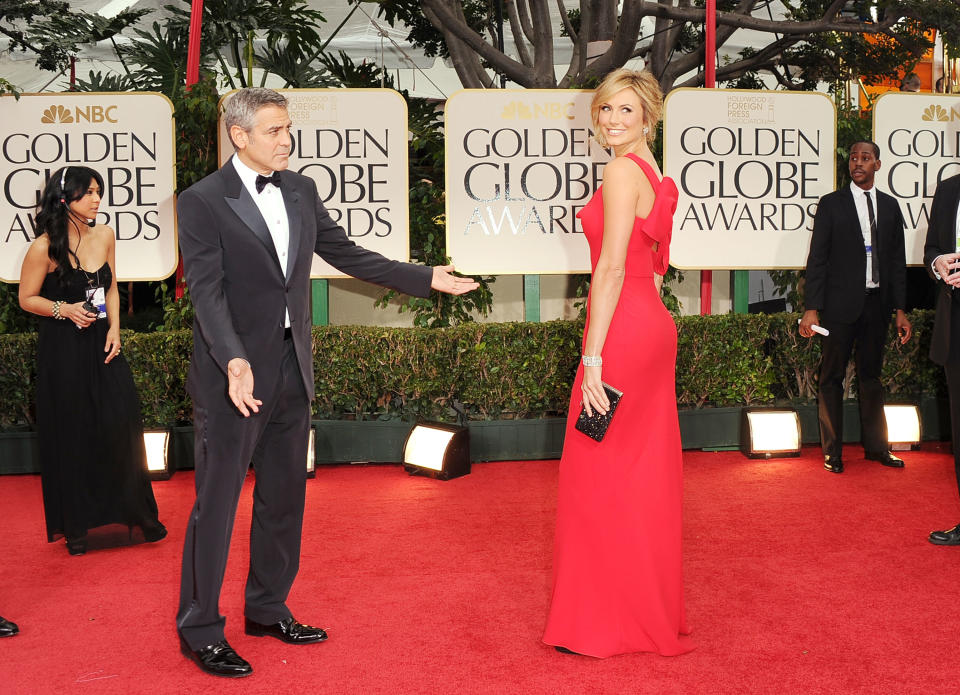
<point>287,333</point>
<point>872,290</point>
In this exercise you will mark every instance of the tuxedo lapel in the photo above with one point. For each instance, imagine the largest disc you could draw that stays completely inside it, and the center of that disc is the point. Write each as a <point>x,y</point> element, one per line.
<point>242,203</point>
<point>291,201</point>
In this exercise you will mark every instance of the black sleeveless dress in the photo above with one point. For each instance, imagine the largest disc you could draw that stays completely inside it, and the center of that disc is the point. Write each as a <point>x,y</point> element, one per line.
<point>92,457</point>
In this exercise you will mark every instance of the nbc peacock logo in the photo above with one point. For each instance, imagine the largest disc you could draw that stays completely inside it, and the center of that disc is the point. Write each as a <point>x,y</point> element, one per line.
<point>935,112</point>
<point>91,113</point>
<point>518,110</point>
<point>56,114</point>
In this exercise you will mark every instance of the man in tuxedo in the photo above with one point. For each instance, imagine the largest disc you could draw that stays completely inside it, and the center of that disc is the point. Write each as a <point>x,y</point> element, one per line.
<point>248,233</point>
<point>941,256</point>
<point>856,277</point>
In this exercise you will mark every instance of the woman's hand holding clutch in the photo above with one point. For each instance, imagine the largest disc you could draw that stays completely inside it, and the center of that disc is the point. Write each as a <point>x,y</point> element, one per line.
<point>594,396</point>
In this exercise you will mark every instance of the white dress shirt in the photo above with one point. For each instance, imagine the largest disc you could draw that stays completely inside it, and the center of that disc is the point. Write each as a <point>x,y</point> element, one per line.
<point>860,200</point>
<point>270,203</point>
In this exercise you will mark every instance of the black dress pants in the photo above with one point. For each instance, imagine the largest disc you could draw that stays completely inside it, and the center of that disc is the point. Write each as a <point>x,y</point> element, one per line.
<point>275,440</point>
<point>952,369</point>
<point>866,338</point>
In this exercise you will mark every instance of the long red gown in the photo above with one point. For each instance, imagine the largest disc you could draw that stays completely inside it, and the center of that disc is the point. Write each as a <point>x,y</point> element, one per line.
<point>618,582</point>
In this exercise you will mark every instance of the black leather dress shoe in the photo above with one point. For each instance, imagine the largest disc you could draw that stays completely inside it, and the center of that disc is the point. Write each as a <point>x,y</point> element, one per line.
<point>8,629</point>
<point>834,464</point>
<point>217,659</point>
<point>287,630</point>
<point>949,537</point>
<point>886,458</point>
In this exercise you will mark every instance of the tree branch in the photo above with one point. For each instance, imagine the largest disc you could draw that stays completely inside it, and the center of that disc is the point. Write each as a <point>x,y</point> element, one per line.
<point>463,60</point>
<point>516,22</point>
<point>578,59</point>
<point>745,21</point>
<point>543,46</point>
<point>524,14</point>
<point>567,24</point>
<point>454,28</point>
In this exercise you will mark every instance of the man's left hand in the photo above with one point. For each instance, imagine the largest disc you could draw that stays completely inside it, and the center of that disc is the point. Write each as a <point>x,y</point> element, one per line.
<point>445,281</point>
<point>904,329</point>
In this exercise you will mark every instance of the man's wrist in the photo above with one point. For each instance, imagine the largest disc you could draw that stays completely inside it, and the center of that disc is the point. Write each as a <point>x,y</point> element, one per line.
<point>933,267</point>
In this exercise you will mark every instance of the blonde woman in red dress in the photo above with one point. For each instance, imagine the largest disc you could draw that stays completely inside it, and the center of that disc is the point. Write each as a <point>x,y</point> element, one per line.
<point>618,582</point>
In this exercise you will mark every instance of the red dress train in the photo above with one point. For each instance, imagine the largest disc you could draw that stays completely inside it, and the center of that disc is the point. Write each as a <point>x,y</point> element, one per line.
<point>618,582</point>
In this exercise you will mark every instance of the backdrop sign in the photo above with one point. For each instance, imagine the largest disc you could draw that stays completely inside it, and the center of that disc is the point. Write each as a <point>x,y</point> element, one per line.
<point>127,138</point>
<point>353,144</point>
<point>919,139</point>
<point>750,166</point>
<point>520,165</point>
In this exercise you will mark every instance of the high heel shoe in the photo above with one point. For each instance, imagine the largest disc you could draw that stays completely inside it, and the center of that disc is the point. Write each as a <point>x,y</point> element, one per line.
<point>564,650</point>
<point>154,532</point>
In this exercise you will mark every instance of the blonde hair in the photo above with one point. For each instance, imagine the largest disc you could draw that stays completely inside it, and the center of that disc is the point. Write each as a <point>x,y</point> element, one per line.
<point>643,84</point>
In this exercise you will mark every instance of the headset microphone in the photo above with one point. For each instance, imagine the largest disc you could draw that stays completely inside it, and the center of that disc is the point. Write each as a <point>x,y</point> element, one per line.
<point>80,218</point>
<point>63,179</point>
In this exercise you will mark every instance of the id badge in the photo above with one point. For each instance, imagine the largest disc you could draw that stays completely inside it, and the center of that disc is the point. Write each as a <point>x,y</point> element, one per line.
<point>98,297</point>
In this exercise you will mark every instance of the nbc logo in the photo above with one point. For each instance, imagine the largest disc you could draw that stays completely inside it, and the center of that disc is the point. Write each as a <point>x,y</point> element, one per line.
<point>553,111</point>
<point>935,112</point>
<point>56,114</point>
<point>92,113</point>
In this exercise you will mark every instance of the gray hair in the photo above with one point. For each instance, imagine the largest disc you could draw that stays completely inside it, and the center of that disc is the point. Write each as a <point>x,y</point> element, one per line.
<point>242,108</point>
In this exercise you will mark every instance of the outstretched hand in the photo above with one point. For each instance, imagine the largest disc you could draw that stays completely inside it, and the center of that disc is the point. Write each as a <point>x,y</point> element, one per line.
<point>445,281</point>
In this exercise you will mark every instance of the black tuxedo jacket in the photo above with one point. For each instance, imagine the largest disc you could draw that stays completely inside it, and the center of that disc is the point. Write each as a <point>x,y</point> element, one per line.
<point>837,262</point>
<point>238,290</point>
<point>941,239</point>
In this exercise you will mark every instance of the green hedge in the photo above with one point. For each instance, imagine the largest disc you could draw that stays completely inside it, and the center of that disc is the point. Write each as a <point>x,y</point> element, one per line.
<point>496,370</point>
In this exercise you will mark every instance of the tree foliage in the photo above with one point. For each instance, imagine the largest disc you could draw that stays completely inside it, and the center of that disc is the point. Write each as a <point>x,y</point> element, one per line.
<point>806,40</point>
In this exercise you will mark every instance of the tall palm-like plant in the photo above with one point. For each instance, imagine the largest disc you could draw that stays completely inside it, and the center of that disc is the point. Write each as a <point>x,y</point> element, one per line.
<point>230,28</point>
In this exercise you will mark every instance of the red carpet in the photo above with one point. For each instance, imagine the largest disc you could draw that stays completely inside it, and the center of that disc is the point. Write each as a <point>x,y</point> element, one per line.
<point>798,581</point>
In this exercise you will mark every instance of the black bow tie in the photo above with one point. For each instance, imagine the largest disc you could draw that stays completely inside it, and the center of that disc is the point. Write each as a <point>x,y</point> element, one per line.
<point>262,181</point>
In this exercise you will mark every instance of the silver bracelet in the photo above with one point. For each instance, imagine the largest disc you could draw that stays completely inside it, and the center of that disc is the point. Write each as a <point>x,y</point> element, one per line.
<point>589,361</point>
<point>56,311</point>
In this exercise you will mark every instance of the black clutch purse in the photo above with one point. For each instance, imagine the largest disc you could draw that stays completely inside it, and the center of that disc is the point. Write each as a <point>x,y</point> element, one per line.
<point>595,426</point>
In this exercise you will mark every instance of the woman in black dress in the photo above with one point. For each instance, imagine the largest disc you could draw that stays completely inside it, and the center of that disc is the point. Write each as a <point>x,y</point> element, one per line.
<point>88,414</point>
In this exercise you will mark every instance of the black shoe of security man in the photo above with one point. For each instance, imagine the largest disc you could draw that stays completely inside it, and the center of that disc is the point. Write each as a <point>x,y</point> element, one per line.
<point>948,537</point>
<point>885,458</point>
<point>8,629</point>
<point>834,464</point>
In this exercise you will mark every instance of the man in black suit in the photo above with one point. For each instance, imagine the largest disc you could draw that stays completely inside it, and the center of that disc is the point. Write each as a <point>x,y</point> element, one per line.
<point>248,233</point>
<point>856,277</point>
<point>940,255</point>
